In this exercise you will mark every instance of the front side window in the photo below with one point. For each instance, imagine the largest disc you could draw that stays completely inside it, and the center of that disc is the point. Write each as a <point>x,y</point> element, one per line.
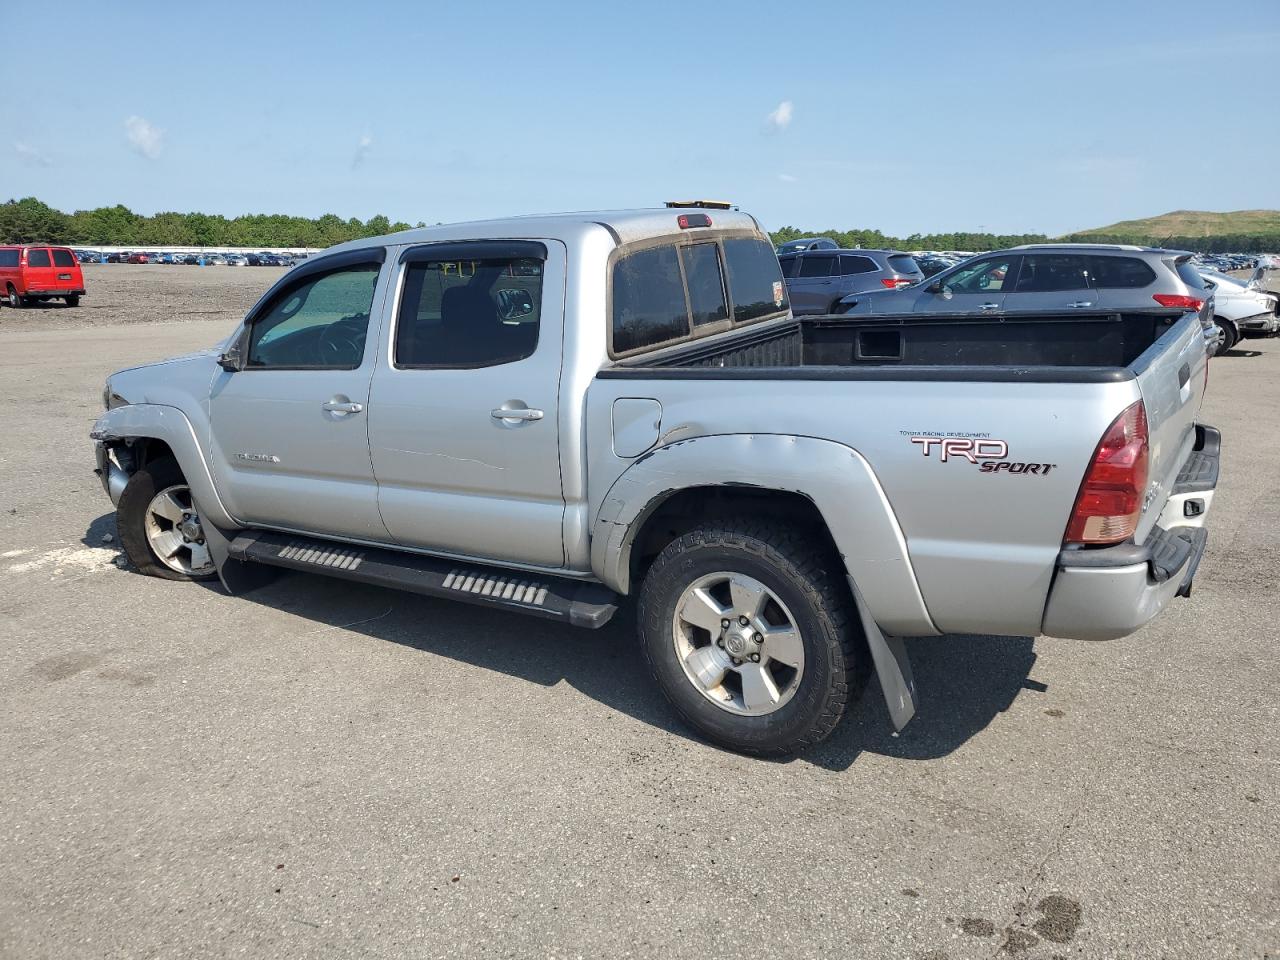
<point>755,282</point>
<point>469,313</point>
<point>63,258</point>
<point>1049,272</point>
<point>318,322</point>
<point>705,280</point>
<point>648,299</point>
<point>982,277</point>
<point>37,258</point>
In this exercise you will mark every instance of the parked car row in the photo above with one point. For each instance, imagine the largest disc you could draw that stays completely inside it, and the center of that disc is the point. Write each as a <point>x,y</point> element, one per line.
<point>263,259</point>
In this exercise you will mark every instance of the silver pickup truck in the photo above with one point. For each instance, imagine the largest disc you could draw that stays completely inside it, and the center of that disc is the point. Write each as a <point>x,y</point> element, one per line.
<point>550,414</point>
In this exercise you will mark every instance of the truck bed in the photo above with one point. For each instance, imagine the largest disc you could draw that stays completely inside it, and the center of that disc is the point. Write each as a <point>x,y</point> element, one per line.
<point>1092,345</point>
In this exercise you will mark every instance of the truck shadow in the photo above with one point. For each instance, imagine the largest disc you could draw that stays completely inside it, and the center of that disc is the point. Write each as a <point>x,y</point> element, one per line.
<point>963,682</point>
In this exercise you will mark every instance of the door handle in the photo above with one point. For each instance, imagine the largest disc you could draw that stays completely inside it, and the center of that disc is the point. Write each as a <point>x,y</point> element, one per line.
<point>990,306</point>
<point>516,413</point>
<point>341,406</point>
<point>1081,303</point>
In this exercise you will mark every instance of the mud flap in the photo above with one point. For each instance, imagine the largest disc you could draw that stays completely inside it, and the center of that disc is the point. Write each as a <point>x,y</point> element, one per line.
<point>893,667</point>
<point>237,576</point>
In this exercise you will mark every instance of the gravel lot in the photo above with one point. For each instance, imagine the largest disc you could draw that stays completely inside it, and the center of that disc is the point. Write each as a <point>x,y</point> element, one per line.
<point>325,769</point>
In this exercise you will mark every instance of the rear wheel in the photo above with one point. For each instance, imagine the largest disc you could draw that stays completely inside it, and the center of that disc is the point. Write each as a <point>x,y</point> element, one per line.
<point>1228,335</point>
<point>160,526</point>
<point>73,300</point>
<point>750,632</point>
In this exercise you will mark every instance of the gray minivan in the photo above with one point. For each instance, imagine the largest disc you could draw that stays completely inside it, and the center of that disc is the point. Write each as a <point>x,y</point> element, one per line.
<point>817,280</point>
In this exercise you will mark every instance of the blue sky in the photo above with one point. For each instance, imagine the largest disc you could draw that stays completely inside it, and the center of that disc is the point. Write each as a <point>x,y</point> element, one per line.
<point>921,116</point>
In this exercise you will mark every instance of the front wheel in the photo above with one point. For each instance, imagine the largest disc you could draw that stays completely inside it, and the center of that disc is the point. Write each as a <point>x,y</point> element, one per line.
<point>750,632</point>
<point>160,526</point>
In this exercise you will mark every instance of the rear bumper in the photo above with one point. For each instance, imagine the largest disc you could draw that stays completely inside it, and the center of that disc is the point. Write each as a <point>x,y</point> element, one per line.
<point>1110,592</point>
<point>57,292</point>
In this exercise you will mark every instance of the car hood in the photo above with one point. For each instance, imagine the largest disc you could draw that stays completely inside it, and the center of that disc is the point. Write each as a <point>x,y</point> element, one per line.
<point>170,380</point>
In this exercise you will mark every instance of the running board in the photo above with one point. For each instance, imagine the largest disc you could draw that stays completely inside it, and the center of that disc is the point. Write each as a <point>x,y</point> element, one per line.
<point>580,604</point>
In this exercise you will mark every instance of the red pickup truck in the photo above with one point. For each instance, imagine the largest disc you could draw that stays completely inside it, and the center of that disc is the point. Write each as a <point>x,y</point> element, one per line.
<point>31,273</point>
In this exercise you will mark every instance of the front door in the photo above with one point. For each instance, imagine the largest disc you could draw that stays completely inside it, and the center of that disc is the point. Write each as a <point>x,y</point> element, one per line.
<point>289,431</point>
<point>978,286</point>
<point>463,415</point>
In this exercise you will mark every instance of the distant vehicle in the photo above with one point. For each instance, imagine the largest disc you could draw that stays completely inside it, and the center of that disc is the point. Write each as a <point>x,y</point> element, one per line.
<point>30,274</point>
<point>139,258</point>
<point>1052,278</point>
<point>929,266</point>
<point>1241,307</point>
<point>88,256</point>
<point>191,260</point>
<point>817,280</point>
<point>807,243</point>
<point>253,259</point>
<point>236,260</point>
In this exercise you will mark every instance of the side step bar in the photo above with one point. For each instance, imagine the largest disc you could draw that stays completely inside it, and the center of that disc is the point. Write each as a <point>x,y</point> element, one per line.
<point>580,604</point>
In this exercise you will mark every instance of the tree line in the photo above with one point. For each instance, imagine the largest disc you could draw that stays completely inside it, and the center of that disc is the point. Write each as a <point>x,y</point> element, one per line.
<point>31,221</point>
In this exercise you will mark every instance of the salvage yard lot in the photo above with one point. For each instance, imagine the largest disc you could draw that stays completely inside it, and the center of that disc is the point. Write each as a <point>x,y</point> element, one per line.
<point>330,769</point>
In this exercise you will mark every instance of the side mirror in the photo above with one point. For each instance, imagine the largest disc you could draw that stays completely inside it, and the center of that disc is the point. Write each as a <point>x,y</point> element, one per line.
<point>935,287</point>
<point>232,359</point>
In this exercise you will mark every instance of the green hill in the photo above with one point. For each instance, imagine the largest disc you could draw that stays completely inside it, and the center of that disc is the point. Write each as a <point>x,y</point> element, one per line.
<point>1193,223</point>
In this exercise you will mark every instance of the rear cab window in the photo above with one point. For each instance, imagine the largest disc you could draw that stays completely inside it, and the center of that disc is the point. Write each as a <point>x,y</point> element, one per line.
<point>38,257</point>
<point>901,263</point>
<point>673,291</point>
<point>63,258</point>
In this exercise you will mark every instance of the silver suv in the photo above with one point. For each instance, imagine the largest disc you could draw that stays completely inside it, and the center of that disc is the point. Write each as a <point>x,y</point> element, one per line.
<point>818,280</point>
<point>1050,277</point>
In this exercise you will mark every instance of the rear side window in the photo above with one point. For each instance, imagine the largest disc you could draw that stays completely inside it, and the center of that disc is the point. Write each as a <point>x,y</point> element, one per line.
<point>1188,274</point>
<point>849,265</point>
<point>469,313</point>
<point>705,280</point>
<point>901,263</point>
<point>63,258</point>
<point>1115,272</point>
<point>37,258</point>
<point>1047,272</point>
<point>755,284</point>
<point>816,266</point>
<point>8,258</point>
<point>648,299</point>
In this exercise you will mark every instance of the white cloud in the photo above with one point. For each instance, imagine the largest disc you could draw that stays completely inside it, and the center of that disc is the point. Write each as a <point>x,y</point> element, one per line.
<point>363,146</point>
<point>780,117</point>
<point>31,156</point>
<point>148,140</point>
<point>787,178</point>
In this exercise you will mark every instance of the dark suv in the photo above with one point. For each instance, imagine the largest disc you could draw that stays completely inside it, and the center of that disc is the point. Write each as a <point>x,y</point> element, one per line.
<point>817,280</point>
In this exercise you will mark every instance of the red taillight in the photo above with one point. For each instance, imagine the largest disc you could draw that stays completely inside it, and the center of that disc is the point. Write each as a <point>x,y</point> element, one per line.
<point>687,220</point>
<point>893,283</point>
<point>1177,300</point>
<point>1110,499</point>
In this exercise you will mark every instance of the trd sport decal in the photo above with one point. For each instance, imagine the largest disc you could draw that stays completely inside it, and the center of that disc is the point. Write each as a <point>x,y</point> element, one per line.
<point>988,455</point>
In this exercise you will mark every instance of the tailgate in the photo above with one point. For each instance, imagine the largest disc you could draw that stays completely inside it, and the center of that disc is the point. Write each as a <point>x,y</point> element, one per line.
<point>1171,376</point>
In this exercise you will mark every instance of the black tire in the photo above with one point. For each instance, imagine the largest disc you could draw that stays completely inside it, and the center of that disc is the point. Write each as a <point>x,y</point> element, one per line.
<point>810,581</point>
<point>1230,336</point>
<point>131,518</point>
<point>14,299</point>
<point>73,300</point>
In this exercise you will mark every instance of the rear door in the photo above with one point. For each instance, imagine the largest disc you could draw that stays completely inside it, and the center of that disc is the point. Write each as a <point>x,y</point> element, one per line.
<point>813,288</point>
<point>857,273</point>
<point>39,274</point>
<point>463,424</point>
<point>66,270</point>
<point>1052,282</point>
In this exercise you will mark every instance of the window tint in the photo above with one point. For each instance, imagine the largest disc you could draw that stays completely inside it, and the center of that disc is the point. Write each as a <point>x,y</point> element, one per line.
<point>1046,272</point>
<point>648,299</point>
<point>37,258</point>
<point>320,321</point>
<point>1121,272</point>
<point>63,258</point>
<point>982,276</point>
<point>469,313</point>
<point>850,265</point>
<point>8,258</point>
<point>705,281</point>
<point>1190,276</point>
<point>788,265</point>
<point>755,283</point>
<point>816,266</point>
<point>901,263</point>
